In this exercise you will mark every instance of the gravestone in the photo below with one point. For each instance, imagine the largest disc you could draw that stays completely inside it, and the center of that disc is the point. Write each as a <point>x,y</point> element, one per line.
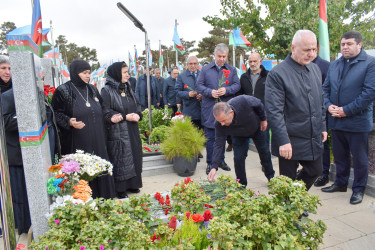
<point>27,73</point>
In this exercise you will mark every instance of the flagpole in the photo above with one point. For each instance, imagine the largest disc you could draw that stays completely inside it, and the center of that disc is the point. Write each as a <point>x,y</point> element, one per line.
<point>139,25</point>
<point>53,45</point>
<point>160,66</point>
<point>175,22</point>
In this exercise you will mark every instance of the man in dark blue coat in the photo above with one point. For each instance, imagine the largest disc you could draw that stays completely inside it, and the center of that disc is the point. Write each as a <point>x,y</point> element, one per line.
<point>169,91</point>
<point>141,91</point>
<point>185,88</point>
<point>349,91</point>
<point>242,117</point>
<point>208,85</point>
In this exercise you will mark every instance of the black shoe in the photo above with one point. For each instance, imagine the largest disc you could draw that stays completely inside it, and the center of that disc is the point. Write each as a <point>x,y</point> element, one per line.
<point>122,195</point>
<point>321,181</point>
<point>229,148</point>
<point>334,188</point>
<point>356,198</point>
<point>134,191</point>
<point>200,155</point>
<point>208,169</point>
<point>224,166</point>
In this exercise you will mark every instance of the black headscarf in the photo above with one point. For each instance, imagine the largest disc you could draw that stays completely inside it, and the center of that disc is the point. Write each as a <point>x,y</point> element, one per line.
<point>76,67</point>
<point>114,71</point>
<point>4,86</point>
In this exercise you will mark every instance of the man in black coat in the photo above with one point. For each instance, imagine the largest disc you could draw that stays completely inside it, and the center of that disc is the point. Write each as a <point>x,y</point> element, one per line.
<point>242,117</point>
<point>295,110</point>
<point>253,82</point>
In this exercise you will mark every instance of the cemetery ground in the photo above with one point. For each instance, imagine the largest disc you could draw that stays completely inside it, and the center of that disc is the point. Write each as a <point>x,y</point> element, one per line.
<point>348,226</point>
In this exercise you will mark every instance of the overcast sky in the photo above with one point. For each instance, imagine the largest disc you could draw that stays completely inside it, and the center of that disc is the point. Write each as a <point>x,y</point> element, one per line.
<point>101,25</point>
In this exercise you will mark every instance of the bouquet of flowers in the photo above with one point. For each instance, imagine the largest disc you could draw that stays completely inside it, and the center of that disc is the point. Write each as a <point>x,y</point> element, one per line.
<point>72,174</point>
<point>90,166</point>
<point>223,80</point>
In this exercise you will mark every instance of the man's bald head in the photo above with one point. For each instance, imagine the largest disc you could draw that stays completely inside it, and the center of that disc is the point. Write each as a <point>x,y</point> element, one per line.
<point>255,61</point>
<point>304,47</point>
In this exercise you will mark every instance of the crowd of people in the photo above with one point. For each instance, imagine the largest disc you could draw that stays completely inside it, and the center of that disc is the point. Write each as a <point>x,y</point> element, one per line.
<point>298,101</point>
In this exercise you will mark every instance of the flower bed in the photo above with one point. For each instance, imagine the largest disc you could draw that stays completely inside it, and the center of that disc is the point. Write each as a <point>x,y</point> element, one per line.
<point>151,148</point>
<point>222,215</point>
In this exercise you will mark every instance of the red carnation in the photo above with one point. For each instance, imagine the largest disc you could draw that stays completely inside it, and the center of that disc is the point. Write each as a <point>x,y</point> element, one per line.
<point>157,195</point>
<point>153,238</point>
<point>207,205</point>
<point>226,82</point>
<point>185,86</point>
<point>197,217</point>
<point>207,215</point>
<point>187,215</point>
<point>173,222</point>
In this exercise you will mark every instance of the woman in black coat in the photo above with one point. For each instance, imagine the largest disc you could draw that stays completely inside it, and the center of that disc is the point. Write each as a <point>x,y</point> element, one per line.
<point>79,116</point>
<point>16,172</point>
<point>122,111</point>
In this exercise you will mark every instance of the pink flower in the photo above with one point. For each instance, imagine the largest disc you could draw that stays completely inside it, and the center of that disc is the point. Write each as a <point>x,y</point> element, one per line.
<point>57,222</point>
<point>82,248</point>
<point>101,247</point>
<point>69,167</point>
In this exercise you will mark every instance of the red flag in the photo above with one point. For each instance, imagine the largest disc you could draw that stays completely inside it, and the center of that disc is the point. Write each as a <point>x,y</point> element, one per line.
<point>36,24</point>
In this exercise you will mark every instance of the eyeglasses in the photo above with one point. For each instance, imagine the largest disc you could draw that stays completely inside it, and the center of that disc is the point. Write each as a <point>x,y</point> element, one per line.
<point>193,63</point>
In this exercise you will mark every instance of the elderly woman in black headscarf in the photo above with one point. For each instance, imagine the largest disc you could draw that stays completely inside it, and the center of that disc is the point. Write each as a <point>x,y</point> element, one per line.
<point>16,172</point>
<point>122,111</point>
<point>79,116</point>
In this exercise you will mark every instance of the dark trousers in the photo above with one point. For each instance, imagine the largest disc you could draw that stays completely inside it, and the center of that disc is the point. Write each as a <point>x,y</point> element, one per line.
<point>210,135</point>
<point>240,148</point>
<point>310,172</point>
<point>356,144</point>
<point>326,155</point>
<point>229,140</point>
<point>174,109</point>
<point>197,123</point>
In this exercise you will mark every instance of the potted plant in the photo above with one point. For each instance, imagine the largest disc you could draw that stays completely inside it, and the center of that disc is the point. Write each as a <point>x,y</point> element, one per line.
<point>182,145</point>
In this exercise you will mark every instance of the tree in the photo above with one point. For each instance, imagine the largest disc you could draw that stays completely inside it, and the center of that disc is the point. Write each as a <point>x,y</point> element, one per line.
<point>273,33</point>
<point>5,28</point>
<point>207,46</point>
<point>71,51</point>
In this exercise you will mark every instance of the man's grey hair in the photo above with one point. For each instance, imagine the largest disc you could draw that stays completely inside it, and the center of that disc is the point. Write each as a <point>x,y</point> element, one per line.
<point>300,33</point>
<point>190,57</point>
<point>157,69</point>
<point>4,59</point>
<point>222,47</point>
<point>222,107</point>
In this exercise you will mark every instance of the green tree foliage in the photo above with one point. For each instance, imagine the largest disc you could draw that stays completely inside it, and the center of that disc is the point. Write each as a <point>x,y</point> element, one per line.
<point>271,24</point>
<point>207,46</point>
<point>71,51</point>
<point>5,28</point>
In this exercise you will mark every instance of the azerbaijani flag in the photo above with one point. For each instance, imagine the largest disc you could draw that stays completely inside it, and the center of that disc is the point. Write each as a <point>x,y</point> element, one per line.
<point>136,62</point>
<point>242,68</point>
<point>161,58</point>
<point>36,24</point>
<point>65,71</point>
<point>177,42</point>
<point>323,31</point>
<point>149,56</point>
<point>131,65</point>
<point>49,53</point>
<point>236,38</point>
